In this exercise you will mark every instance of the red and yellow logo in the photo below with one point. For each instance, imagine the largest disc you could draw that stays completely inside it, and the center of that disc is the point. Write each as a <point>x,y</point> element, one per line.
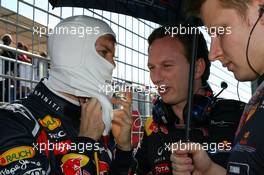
<point>50,122</point>
<point>15,154</point>
<point>72,163</point>
<point>252,111</point>
<point>150,126</point>
<point>103,167</point>
<point>244,140</point>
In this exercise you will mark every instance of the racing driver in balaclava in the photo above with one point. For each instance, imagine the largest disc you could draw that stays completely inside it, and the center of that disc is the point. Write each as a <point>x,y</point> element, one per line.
<point>62,127</point>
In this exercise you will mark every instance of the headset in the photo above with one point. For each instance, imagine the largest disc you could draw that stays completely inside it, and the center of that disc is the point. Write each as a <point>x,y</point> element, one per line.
<point>261,10</point>
<point>163,114</point>
<point>202,106</point>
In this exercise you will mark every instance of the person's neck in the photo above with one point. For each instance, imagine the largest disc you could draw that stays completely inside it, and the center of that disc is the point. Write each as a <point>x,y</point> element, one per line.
<point>73,99</point>
<point>70,98</point>
<point>262,72</point>
<point>178,108</point>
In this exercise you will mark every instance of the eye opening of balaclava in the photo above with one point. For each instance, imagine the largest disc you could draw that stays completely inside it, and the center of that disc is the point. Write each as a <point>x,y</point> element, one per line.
<point>76,67</point>
<point>106,43</point>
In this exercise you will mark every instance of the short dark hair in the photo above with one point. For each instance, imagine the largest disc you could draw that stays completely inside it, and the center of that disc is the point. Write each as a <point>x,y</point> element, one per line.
<point>186,40</point>
<point>193,7</point>
<point>7,39</point>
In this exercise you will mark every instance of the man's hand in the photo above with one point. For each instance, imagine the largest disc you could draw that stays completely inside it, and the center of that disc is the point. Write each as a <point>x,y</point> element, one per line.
<point>92,124</point>
<point>122,122</point>
<point>199,164</point>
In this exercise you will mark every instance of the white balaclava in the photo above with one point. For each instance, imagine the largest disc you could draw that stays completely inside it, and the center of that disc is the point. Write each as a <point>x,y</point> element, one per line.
<point>76,67</point>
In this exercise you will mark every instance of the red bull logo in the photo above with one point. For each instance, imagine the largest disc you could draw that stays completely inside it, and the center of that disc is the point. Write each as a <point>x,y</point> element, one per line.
<point>72,163</point>
<point>150,126</point>
<point>103,167</point>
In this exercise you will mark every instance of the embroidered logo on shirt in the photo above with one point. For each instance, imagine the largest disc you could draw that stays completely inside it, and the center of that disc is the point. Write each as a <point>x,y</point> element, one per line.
<point>72,163</point>
<point>162,168</point>
<point>50,122</point>
<point>103,167</point>
<point>15,154</point>
<point>164,129</point>
<point>150,126</point>
<point>244,140</point>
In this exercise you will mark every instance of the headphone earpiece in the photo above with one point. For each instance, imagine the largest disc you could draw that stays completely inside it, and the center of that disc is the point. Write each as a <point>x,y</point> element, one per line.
<point>261,10</point>
<point>202,107</point>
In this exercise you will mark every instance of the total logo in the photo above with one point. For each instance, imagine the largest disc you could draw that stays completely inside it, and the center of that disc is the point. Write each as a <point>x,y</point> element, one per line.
<point>72,163</point>
<point>162,168</point>
<point>50,122</point>
<point>15,154</point>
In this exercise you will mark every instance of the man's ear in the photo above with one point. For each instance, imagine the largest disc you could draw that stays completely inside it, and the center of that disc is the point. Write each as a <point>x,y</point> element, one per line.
<point>199,68</point>
<point>260,5</point>
<point>262,18</point>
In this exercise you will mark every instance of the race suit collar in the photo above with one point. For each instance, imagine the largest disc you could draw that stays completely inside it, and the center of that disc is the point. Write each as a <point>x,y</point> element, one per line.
<point>54,103</point>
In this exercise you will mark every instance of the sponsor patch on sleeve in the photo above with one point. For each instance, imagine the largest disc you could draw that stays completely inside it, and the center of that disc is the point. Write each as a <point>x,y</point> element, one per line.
<point>15,154</point>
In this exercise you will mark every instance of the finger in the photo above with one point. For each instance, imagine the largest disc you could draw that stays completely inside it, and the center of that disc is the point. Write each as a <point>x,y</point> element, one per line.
<point>98,106</point>
<point>122,112</point>
<point>83,100</point>
<point>124,103</point>
<point>180,159</point>
<point>89,104</point>
<point>92,104</point>
<point>128,95</point>
<point>175,172</point>
<point>84,107</point>
<point>185,147</point>
<point>119,101</point>
<point>124,128</point>
<point>120,118</point>
<point>182,168</point>
<point>176,149</point>
<point>121,121</point>
<point>97,111</point>
<point>84,103</point>
<point>124,106</point>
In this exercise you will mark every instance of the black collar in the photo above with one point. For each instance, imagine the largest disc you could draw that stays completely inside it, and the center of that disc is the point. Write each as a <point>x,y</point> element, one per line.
<point>42,98</point>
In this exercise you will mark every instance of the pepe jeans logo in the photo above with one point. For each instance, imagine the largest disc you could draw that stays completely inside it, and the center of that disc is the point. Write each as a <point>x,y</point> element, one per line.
<point>15,154</point>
